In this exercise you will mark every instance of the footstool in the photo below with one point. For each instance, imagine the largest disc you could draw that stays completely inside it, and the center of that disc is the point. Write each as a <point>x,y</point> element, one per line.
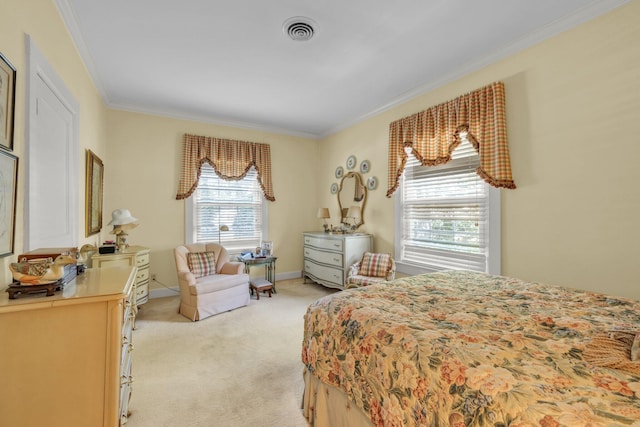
<point>260,285</point>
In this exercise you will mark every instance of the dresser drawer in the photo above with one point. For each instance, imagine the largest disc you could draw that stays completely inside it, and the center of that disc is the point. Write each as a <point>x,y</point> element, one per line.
<point>114,261</point>
<point>321,243</point>
<point>142,292</point>
<point>125,391</point>
<point>142,260</point>
<point>331,258</point>
<point>127,348</point>
<point>322,272</point>
<point>142,275</point>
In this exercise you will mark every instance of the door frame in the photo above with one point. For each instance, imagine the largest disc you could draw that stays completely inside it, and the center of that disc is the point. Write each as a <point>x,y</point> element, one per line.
<point>38,68</point>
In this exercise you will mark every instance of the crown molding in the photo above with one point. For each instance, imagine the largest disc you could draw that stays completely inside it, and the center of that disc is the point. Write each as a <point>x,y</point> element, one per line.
<point>595,9</point>
<point>552,29</point>
<point>71,22</point>
<point>212,120</point>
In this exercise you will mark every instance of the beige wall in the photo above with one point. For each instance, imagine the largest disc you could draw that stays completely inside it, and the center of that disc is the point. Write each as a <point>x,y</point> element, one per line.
<point>571,100</point>
<point>40,20</point>
<point>573,105</point>
<point>144,155</point>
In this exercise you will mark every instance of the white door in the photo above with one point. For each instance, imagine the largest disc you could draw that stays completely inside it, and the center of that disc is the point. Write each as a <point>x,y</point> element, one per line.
<point>51,203</point>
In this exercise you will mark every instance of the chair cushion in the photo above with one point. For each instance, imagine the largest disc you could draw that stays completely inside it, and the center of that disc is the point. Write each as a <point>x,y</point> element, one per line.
<point>357,281</point>
<point>219,282</point>
<point>374,265</point>
<point>202,263</point>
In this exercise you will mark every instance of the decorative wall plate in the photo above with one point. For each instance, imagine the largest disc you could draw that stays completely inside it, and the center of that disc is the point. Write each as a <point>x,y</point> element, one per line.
<point>351,162</point>
<point>372,183</point>
<point>334,188</point>
<point>339,172</point>
<point>365,166</point>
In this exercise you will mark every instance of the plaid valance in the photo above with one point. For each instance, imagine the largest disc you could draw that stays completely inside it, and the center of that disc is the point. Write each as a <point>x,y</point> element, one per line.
<point>230,159</point>
<point>434,133</point>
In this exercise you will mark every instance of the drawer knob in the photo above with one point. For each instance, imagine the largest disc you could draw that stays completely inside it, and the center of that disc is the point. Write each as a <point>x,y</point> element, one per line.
<point>336,245</point>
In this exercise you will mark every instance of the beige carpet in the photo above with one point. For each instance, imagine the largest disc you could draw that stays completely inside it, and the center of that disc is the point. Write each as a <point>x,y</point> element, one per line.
<point>240,368</point>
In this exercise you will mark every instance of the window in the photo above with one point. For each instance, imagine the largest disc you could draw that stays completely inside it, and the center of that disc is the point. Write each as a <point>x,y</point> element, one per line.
<point>238,204</point>
<point>447,217</point>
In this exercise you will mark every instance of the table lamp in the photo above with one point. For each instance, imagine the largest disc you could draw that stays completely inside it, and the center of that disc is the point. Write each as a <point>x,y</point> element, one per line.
<point>324,214</point>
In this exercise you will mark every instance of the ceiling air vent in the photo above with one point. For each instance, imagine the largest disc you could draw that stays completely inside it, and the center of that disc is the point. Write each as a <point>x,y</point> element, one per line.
<point>299,28</point>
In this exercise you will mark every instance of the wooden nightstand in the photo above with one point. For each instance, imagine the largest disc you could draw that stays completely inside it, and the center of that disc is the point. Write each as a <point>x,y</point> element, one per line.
<point>135,256</point>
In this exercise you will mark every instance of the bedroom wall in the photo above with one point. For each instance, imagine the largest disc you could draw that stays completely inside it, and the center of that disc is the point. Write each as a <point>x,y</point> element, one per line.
<point>571,101</point>
<point>40,19</point>
<point>145,153</point>
<point>572,110</point>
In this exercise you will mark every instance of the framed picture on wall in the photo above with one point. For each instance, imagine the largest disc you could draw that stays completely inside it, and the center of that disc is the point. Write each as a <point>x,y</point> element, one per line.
<point>7,102</point>
<point>95,172</point>
<point>8,187</point>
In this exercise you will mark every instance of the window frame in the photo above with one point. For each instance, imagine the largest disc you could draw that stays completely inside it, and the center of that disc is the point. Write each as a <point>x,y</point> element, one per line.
<point>190,223</point>
<point>494,264</point>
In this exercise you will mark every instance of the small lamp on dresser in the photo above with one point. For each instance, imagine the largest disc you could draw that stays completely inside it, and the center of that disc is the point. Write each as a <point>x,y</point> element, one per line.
<point>324,214</point>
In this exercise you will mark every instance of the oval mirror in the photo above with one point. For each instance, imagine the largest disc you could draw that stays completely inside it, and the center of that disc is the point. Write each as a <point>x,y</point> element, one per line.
<point>352,193</point>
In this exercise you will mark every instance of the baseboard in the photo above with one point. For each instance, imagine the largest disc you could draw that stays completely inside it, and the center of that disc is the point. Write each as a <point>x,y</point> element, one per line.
<point>289,275</point>
<point>170,292</point>
<point>163,292</point>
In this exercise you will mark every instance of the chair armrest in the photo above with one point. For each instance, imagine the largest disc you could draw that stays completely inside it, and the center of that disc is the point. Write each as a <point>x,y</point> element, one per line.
<point>353,270</point>
<point>232,267</point>
<point>187,278</point>
<point>392,271</point>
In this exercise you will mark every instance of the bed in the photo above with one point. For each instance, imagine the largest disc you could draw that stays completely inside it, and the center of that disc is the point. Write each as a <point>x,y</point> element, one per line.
<point>460,349</point>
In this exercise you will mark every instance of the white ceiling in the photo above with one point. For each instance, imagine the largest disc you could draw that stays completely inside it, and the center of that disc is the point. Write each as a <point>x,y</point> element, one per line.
<point>229,61</point>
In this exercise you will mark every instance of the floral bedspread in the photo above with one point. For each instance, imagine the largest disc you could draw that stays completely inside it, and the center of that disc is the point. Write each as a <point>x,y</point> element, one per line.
<point>468,349</point>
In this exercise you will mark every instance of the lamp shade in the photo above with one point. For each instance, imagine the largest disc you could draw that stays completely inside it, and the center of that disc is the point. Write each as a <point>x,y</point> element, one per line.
<point>323,213</point>
<point>354,212</point>
<point>121,217</point>
<point>224,228</point>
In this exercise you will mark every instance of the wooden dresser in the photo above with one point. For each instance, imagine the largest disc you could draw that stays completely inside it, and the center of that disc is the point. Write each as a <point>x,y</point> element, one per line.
<point>135,256</point>
<point>65,360</point>
<point>327,257</point>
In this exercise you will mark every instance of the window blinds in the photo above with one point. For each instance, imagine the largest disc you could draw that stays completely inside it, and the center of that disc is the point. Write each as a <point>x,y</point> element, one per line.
<point>445,214</point>
<point>234,203</point>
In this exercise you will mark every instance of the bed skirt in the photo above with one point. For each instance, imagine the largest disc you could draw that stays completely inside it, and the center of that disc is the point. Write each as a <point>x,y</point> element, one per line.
<point>326,406</point>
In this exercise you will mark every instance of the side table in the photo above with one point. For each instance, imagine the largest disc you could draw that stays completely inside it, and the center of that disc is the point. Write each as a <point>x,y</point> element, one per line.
<point>269,268</point>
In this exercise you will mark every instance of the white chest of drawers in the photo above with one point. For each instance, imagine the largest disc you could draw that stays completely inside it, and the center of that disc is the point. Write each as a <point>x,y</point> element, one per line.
<point>327,257</point>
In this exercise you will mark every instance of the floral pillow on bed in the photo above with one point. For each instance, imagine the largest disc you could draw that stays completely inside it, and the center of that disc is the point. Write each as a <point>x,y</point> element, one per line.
<point>202,263</point>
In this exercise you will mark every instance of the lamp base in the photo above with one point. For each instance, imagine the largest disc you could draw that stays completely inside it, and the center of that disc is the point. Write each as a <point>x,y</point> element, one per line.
<point>121,241</point>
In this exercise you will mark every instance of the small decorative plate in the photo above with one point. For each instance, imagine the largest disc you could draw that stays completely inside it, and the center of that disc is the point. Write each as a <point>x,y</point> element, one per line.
<point>351,162</point>
<point>339,172</point>
<point>334,188</point>
<point>372,183</point>
<point>365,166</point>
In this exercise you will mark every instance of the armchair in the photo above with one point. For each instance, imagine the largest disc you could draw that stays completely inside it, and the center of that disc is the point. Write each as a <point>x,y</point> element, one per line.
<point>209,283</point>
<point>372,268</point>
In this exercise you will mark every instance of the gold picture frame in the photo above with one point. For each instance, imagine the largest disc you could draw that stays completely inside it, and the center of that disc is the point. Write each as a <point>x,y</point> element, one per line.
<point>7,102</point>
<point>94,184</point>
